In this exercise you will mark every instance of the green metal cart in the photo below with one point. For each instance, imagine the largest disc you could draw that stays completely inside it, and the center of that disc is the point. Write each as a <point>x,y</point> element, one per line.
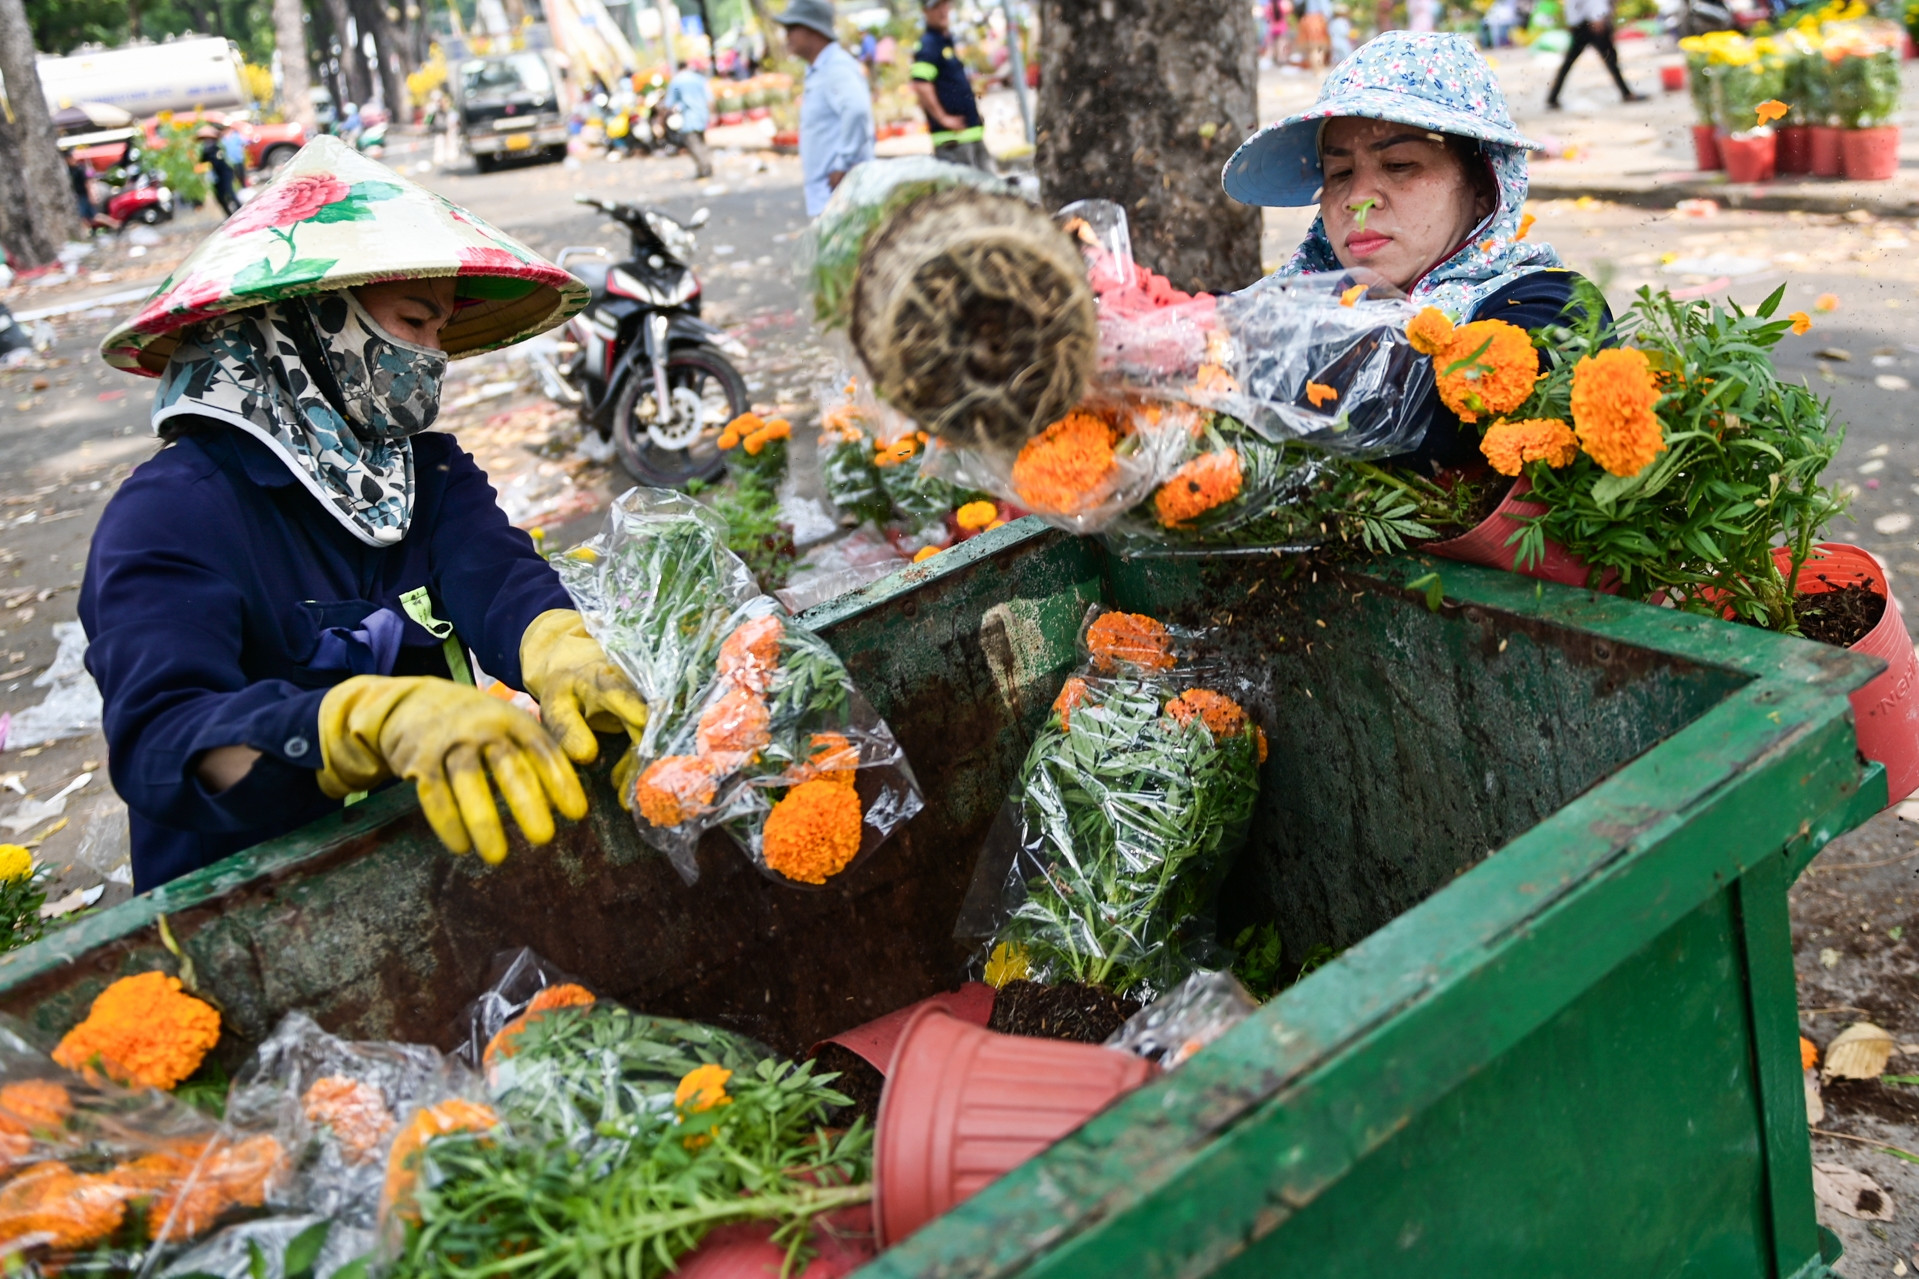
<point>1550,832</point>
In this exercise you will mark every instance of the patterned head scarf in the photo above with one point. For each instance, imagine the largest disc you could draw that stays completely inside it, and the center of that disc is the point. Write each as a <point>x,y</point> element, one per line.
<point>319,382</point>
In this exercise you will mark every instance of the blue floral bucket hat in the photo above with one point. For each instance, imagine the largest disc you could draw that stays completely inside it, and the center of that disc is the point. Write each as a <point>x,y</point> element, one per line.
<point>1430,80</point>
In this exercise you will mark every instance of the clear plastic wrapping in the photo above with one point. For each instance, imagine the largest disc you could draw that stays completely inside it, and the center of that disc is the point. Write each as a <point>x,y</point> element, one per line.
<point>873,468</point>
<point>754,724</point>
<point>1168,1031</point>
<point>1129,807</point>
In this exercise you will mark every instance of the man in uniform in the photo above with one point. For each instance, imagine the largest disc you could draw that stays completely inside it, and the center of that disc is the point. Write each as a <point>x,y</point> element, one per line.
<point>939,80</point>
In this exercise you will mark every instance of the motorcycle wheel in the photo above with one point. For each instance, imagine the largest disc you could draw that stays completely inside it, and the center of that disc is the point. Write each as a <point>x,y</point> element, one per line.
<point>150,215</point>
<point>721,393</point>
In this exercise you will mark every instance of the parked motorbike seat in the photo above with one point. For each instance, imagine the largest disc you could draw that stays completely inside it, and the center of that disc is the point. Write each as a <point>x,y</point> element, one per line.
<point>593,274</point>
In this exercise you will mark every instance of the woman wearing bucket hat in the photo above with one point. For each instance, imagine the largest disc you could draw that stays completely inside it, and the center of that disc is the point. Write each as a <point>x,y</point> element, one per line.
<point>280,603</point>
<point>1420,175</point>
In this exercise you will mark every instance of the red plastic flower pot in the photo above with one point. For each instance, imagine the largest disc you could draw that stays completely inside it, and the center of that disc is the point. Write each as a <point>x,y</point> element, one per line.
<point>875,1041</point>
<point>842,1241</point>
<point>1886,711</point>
<point>1705,148</point>
<point>1672,77</point>
<point>1795,149</point>
<point>1826,161</point>
<point>1750,157</point>
<point>1869,155</point>
<point>963,1106</point>
<point>1488,543</point>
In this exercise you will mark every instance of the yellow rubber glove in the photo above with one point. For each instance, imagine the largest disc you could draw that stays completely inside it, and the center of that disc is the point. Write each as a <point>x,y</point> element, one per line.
<point>578,688</point>
<point>444,738</point>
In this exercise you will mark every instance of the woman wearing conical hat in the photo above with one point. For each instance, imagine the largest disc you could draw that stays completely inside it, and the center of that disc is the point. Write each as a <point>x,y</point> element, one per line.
<point>281,602</point>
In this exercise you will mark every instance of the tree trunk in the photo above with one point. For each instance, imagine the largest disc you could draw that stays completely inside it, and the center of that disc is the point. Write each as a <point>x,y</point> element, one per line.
<point>1140,102</point>
<point>353,69</point>
<point>289,33</point>
<point>46,198</point>
<point>389,54</point>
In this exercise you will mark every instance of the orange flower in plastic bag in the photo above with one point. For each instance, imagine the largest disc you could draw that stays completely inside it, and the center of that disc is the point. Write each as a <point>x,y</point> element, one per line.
<point>813,832</point>
<point>143,1031</point>
<point>1429,331</point>
<point>675,789</point>
<point>1209,480</point>
<point>750,655</point>
<point>1318,394</point>
<point>1221,714</point>
<point>1352,296</point>
<point>1808,1053</point>
<point>34,1105</point>
<point>356,1112</point>
<point>975,516</point>
<point>1613,395</point>
<point>737,723</point>
<point>456,1114</point>
<point>232,1175</point>
<point>1488,367</point>
<point>1068,467</point>
<point>51,1204</point>
<point>564,994</point>
<point>835,760</point>
<point>1071,694</point>
<point>738,429</point>
<point>1509,445</point>
<point>1130,638</point>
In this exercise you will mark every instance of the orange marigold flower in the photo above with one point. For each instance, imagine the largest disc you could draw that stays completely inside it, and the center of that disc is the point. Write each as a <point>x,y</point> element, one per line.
<point>764,434</point>
<point>737,722</point>
<point>34,1105</point>
<point>1318,393</point>
<point>1221,714</point>
<point>675,789</point>
<point>975,515</point>
<point>925,553</point>
<point>1801,323</point>
<point>1429,331</point>
<point>1488,367</point>
<point>455,1114</point>
<point>1808,1053</point>
<point>1510,445</point>
<point>1215,378</point>
<point>835,760</point>
<point>1771,109</point>
<point>1071,694</point>
<point>1352,296</point>
<point>740,428</point>
<point>565,994</point>
<point>1826,302</point>
<point>1068,467</point>
<point>813,832</point>
<point>355,1111</point>
<point>232,1175</point>
<point>1130,638</point>
<point>750,655</point>
<point>1209,480</point>
<point>1260,735</point>
<point>1612,399</point>
<point>143,1031</point>
<point>1526,221</point>
<point>702,1088</point>
<point>51,1204</point>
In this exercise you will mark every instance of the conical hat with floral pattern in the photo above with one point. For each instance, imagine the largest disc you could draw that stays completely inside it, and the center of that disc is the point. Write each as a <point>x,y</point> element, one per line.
<point>332,220</point>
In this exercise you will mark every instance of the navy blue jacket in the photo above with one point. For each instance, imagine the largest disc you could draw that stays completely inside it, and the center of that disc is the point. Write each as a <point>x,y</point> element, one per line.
<point>212,584</point>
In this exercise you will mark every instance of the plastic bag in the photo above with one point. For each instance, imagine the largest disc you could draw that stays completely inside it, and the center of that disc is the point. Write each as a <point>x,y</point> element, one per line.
<point>1168,1031</point>
<point>754,724</point>
<point>1129,807</point>
<point>873,467</point>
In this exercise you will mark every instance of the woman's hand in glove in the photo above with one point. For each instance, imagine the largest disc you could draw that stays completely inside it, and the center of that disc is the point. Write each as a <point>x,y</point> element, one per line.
<point>445,738</point>
<point>579,690</point>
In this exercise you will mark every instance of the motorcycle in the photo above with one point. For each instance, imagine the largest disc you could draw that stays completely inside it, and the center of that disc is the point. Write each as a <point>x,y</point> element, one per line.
<point>640,365</point>
<point>140,197</point>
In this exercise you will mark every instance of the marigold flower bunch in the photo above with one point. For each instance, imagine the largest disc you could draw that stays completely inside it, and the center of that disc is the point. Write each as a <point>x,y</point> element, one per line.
<point>143,1031</point>
<point>456,1114</point>
<point>1614,394</point>
<point>1487,367</point>
<point>1508,445</point>
<point>1209,480</point>
<point>559,995</point>
<point>977,517</point>
<point>813,831</point>
<point>354,1110</point>
<point>52,1205</point>
<point>1069,467</point>
<point>1118,640</point>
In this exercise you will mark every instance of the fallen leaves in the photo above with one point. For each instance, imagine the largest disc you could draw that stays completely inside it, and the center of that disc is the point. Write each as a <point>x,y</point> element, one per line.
<point>1859,1052</point>
<point>1851,1192</point>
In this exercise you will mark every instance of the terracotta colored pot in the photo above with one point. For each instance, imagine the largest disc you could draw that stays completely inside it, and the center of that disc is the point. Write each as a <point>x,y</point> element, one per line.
<point>876,1040</point>
<point>843,1242</point>
<point>1672,77</point>
<point>1795,149</point>
<point>1705,147</point>
<point>1870,155</point>
<point>1826,161</point>
<point>1487,543</point>
<point>1886,711</point>
<point>1750,157</point>
<point>963,1106</point>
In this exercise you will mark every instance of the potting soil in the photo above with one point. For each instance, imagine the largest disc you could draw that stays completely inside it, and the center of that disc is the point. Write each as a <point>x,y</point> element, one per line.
<point>854,1076</point>
<point>1842,616</point>
<point>1083,1014</point>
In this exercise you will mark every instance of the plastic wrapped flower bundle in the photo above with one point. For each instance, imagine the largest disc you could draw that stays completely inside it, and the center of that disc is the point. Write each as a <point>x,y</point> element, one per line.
<point>873,468</point>
<point>755,724</point>
<point>1129,806</point>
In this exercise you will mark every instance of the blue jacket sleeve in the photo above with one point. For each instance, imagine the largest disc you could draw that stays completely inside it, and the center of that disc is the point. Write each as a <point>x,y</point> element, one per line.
<point>486,572</point>
<point>165,616</point>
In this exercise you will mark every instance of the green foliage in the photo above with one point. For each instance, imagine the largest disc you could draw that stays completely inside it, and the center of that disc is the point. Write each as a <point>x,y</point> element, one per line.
<point>177,160</point>
<point>1739,88</point>
<point>1739,475</point>
<point>751,506</point>
<point>1260,955</point>
<point>852,481</point>
<point>1865,88</point>
<point>20,902</point>
<point>61,26</point>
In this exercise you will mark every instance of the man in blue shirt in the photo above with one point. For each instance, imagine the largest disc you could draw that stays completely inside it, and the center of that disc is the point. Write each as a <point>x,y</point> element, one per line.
<point>946,95</point>
<point>836,106</point>
<point>688,93</point>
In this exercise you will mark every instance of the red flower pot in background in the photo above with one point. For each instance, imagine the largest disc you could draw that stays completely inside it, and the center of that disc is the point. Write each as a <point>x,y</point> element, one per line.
<point>1826,162</point>
<point>842,1242</point>
<point>1750,157</point>
<point>1488,544</point>
<point>1886,711</point>
<point>1869,155</point>
<point>963,1106</point>
<point>876,1040</point>
<point>1795,149</point>
<point>1705,147</point>
<point>1672,77</point>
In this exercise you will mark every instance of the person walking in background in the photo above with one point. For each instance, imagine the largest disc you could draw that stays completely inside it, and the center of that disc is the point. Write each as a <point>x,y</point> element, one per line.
<point>1315,39</point>
<point>836,108</point>
<point>213,157</point>
<point>1589,22</point>
<point>946,95</point>
<point>1339,32</point>
<point>82,191</point>
<point>234,147</point>
<point>689,94</point>
<point>1497,26</point>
